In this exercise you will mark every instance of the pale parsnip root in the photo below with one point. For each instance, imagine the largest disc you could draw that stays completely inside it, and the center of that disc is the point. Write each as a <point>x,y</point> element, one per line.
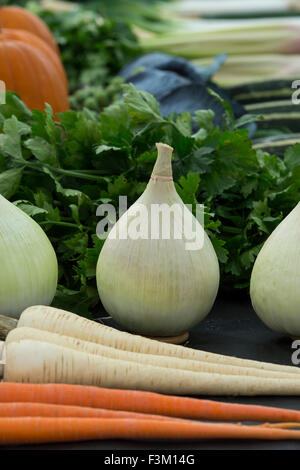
<point>69,324</point>
<point>24,332</point>
<point>39,362</point>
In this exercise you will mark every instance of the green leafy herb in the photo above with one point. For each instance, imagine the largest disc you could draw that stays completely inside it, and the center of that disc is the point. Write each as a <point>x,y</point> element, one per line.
<point>93,49</point>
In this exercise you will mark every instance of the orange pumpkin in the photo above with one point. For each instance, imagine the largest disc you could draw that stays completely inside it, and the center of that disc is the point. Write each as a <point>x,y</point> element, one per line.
<point>14,17</point>
<point>35,41</point>
<point>26,70</point>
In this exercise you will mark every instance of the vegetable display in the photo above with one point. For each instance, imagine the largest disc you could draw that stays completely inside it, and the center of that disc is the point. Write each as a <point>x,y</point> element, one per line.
<point>15,17</point>
<point>163,282</point>
<point>156,263</point>
<point>28,262</point>
<point>87,159</point>
<point>274,286</point>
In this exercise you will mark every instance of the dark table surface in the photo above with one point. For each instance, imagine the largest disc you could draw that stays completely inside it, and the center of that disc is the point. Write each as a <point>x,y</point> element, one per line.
<point>232,328</point>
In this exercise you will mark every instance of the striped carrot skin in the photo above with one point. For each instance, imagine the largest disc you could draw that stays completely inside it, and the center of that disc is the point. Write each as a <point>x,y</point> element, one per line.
<point>142,402</point>
<point>49,410</point>
<point>40,430</point>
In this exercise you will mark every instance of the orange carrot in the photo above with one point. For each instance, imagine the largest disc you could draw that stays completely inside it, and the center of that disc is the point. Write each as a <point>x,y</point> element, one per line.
<point>285,425</point>
<point>49,410</point>
<point>38,430</point>
<point>142,402</point>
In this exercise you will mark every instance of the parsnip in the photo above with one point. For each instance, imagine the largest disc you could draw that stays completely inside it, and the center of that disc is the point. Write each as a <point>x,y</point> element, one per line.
<point>24,332</point>
<point>69,324</point>
<point>40,362</point>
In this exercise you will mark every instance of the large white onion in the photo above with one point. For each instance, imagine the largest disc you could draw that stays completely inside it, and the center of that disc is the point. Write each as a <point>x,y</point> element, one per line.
<point>156,286</point>
<point>275,279</point>
<point>28,264</point>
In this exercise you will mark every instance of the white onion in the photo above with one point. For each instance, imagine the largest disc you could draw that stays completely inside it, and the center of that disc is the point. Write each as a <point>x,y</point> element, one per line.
<point>156,286</point>
<point>28,264</point>
<point>275,279</point>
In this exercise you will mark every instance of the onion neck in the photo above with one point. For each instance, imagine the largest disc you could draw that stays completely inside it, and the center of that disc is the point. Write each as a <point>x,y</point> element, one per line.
<point>163,167</point>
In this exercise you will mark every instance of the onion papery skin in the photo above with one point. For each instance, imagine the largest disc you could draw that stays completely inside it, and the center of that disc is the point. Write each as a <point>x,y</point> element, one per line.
<point>28,263</point>
<point>275,278</point>
<point>155,286</point>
